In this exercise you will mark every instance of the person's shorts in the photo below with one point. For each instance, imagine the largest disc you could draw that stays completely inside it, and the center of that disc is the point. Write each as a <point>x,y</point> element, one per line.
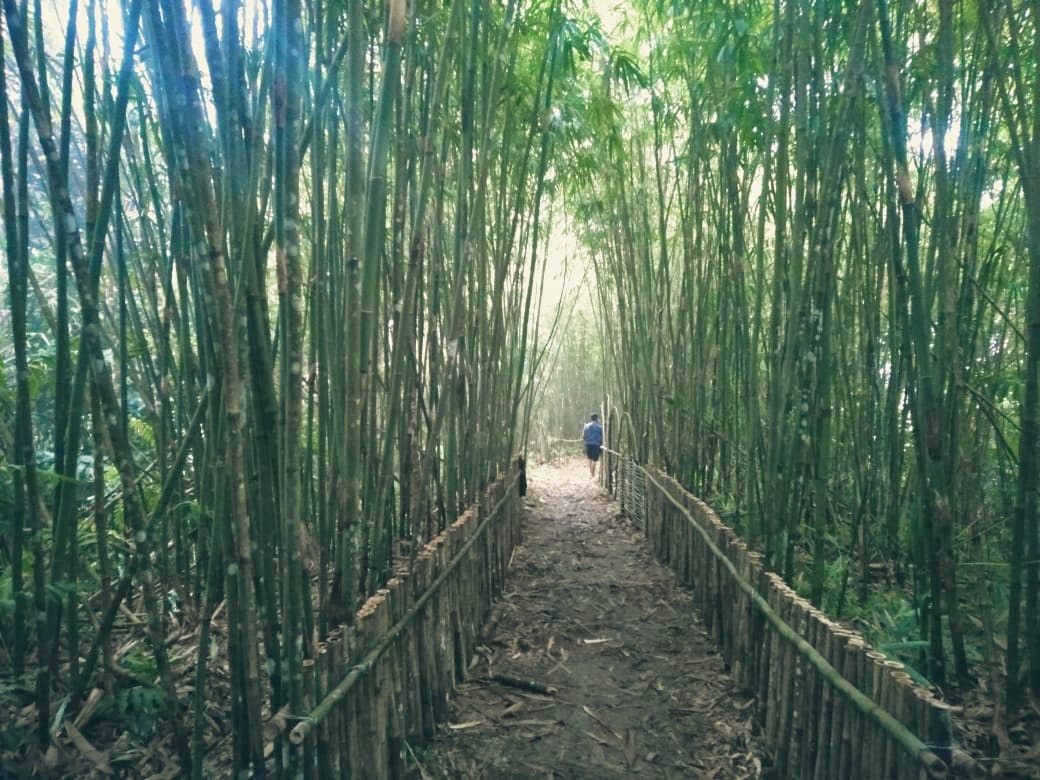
<point>592,450</point>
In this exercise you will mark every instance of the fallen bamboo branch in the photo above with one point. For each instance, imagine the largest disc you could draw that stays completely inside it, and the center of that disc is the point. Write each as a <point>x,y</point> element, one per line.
<point>588,711</point>
<point>524,685</point>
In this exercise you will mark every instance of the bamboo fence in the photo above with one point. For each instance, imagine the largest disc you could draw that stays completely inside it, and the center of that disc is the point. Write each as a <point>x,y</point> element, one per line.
<point>829,705</point>
<point>383,682</point>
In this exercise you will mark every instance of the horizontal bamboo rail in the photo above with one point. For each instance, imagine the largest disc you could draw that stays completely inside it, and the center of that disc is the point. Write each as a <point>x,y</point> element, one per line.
<point>829,705</point>
<point>386,679</point>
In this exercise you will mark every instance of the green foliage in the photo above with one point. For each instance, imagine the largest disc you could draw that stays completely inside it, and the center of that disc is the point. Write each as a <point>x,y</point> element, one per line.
<point>7,473</point>
<point>889,622</point>
<point>138,709</point>
<point>570,384</point>
<point>139,664</point>
<point>627,71</point>
<point>6,597</point>
<point>888,618</point>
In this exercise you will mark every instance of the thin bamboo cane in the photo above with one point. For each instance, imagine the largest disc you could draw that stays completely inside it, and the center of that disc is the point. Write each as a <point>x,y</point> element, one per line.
<point>798,695</point>
<point>739,619</point>
<point>866,743</point>
<point>326,756</point>
<point>441,629</point>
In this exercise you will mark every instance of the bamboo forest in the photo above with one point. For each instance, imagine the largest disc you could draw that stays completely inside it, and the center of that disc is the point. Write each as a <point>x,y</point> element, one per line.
<point>290,286</point>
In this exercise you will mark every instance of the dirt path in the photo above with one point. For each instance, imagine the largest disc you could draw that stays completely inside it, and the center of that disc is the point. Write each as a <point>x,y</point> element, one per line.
<point>630,684</point>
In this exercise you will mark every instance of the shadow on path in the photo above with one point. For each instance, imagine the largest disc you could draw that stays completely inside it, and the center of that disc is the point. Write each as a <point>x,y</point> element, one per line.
<point>593,663</point>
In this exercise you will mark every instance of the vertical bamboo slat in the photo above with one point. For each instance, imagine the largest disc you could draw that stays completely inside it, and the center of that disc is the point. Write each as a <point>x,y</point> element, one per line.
<point>786,680</point>
<point>380,689</point>
<point>423,638</point>
<point>827,718</point>
<point>310,698</point>
<point>812,697</point>
<point>875,740</point>
<point>394,663</point>
<point>338,729</point>
<point>325,757</point>
<point>895,701</point>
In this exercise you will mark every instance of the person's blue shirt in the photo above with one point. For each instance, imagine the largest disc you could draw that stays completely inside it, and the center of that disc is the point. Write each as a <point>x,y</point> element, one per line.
<point>593,433</point>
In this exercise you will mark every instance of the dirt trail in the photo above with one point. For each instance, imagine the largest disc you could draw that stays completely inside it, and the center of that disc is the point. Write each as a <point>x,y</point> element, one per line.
<point>623,681</point>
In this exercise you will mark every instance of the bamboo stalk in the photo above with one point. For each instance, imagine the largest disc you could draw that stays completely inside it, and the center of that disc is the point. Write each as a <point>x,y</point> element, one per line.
<point>837,719</point>
<point>456,597</point>
<point>875,740</point>
<point>384,690</point>
<point>741,622</point>
<point>374,694</point>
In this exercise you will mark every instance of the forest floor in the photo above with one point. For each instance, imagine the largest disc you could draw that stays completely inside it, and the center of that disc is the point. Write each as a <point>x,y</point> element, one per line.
<point>593,663</point>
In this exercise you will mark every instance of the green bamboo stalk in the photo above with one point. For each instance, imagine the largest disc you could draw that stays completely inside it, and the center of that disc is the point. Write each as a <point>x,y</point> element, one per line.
<point>26,486</point>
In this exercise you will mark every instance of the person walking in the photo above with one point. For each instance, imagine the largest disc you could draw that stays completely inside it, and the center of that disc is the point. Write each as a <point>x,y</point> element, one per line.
<point>592,435</point>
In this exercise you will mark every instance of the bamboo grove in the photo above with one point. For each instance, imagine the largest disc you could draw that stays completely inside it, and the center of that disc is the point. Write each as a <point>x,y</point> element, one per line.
<point>817,245</point>
<point>272,271</point>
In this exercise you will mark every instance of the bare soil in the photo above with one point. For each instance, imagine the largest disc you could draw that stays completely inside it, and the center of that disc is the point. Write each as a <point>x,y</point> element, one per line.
<point>593,663</point>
